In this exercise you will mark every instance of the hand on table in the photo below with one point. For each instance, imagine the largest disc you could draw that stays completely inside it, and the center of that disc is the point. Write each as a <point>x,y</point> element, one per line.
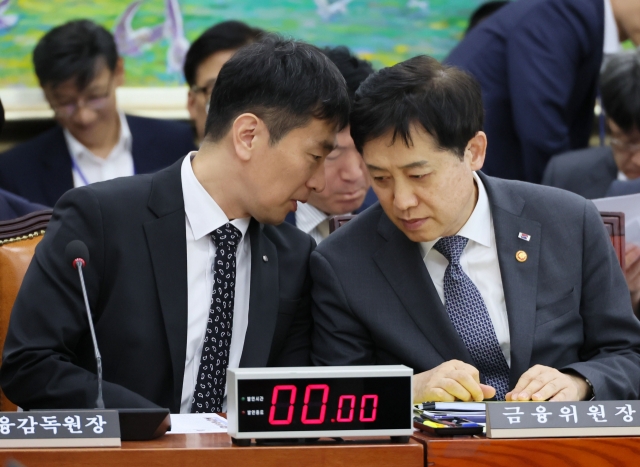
<point>450,381</point>
<point>541,383</point>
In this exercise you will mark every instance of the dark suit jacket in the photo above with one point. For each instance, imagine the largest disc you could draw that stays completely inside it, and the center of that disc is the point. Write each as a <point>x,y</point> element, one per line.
<point>136,280</point>
<point>621,188</point>
<point>12,206</point>
<point>588,172</point>
<point>40,169</point>
<point>537,62</point>
<point>568,304</point>
<point>369,200</point>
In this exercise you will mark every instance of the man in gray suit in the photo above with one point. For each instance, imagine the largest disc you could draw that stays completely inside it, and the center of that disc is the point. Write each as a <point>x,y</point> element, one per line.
<point>483,286</point>
<point>596,172</point>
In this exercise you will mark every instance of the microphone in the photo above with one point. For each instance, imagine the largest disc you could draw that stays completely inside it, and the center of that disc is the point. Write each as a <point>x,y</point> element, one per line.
<point>77,254</point>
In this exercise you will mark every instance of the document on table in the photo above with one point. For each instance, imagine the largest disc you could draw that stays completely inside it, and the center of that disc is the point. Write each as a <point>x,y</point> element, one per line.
<point>197,423</point>
<point>630,205</point>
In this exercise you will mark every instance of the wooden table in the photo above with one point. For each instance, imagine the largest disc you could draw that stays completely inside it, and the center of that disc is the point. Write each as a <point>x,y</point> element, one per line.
<point>217,449</point>
<point>543,452</point>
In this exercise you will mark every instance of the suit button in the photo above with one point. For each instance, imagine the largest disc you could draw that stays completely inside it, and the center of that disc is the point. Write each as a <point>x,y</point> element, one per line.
<point>265,259</point>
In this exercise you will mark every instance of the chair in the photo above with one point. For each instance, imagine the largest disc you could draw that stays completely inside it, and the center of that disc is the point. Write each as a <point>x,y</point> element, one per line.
<point>614,223</point>
<point>18,240</point>
<point>339,221</point>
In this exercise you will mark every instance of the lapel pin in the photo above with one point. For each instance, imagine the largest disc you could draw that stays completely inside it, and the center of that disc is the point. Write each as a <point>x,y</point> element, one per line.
<point>265,258</point>
<point>524,236</point>
<point>521,256</point>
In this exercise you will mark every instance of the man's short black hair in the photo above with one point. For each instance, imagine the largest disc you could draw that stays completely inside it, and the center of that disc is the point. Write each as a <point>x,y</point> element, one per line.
<point>74,50</point>
<point>228,35</point>
<point>353,69</point>
<point>283,82</point>
<point>444,100</point>
<point>620,90</point>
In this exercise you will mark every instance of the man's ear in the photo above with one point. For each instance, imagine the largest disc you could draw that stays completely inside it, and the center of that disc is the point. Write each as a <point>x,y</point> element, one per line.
<point>118,72</point>
<point>247,133</point>
<point>191,104</point>
<point>476,151</point>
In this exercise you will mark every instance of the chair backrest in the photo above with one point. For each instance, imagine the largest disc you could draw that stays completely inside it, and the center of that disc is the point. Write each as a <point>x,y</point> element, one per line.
<point>18,240</point>
<point>614,223</point>
<point>338,221</point>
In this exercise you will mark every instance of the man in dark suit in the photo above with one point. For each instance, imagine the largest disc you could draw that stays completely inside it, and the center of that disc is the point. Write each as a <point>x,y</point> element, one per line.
<point>185,265</point>
<point>483,286</point>
<point>592,172</point>
<point>347,188</point>
<point>12,206</point>
<point>538,63</point>
<point>78,67</point>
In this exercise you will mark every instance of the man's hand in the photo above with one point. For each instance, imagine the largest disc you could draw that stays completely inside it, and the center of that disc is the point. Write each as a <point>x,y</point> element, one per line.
<point>632,273</point>
<point>541,383</point>
<point>448,382</point>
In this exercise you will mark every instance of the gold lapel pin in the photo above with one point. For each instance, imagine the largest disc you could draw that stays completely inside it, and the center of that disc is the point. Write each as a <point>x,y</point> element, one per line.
<point>521,256</point>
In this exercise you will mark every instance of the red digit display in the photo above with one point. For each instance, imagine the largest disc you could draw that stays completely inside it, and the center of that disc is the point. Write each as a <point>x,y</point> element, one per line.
<point>274,400</point>
<point>372,418</point>
<point>323,409</point>
<point>352,407</point>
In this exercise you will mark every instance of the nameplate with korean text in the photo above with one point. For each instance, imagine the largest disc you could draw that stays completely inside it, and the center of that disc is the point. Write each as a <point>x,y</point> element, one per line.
<point>60,428</point>
<point>562,419</point>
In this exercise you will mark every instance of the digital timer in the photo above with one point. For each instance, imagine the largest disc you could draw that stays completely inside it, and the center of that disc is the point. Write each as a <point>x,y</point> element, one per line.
<point>313,402</point>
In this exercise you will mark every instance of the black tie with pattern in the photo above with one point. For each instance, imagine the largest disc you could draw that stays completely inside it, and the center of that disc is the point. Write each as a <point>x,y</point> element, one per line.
<point>212,377</point>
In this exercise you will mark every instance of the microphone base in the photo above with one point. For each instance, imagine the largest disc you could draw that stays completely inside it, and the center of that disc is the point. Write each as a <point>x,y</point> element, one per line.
<point>143,424</point>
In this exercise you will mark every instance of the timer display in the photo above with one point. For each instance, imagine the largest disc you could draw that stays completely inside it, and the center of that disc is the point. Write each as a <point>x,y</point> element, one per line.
<point>323,404</point>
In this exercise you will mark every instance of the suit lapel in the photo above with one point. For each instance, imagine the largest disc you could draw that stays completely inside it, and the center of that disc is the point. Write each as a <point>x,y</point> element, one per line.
<point>263,299</point>
<point>166,237</point>
<point>519,279</point>
<point>57,177</point>
<point>400,261</point>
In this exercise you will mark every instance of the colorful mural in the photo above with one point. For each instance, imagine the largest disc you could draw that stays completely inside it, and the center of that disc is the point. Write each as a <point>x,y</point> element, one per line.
<point>154,35</point>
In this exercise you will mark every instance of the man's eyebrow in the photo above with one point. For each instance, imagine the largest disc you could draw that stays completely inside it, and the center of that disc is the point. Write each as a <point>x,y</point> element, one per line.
<point>326,144</point>
<point>413,165</point>
<point>374,167</point>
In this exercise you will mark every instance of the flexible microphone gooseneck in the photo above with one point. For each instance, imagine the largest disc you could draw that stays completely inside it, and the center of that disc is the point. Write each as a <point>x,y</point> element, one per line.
<point>77,254</point>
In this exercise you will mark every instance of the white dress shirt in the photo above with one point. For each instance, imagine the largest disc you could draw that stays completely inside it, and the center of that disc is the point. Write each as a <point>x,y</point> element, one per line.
<point>479,261</point>
<point>312,221</point>
<point>611,34</point>
<point>90,168</point>
<point>202,216</point>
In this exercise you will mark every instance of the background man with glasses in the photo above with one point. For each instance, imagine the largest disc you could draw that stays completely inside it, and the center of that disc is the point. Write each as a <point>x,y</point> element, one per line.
<point>79,69</point>
<point>613,170</point>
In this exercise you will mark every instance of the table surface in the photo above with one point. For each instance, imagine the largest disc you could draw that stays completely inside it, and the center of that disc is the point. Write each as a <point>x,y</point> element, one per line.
<point>217,449</point>
<point>533,452</point>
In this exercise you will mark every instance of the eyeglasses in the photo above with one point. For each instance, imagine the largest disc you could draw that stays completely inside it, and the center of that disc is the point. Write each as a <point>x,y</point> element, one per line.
<point>205,90</point>
<point>625,147</point>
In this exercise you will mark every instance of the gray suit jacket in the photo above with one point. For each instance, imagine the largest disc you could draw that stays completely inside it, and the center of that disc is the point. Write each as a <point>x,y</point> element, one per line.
<point>568,304</point>
<point>587,172</point>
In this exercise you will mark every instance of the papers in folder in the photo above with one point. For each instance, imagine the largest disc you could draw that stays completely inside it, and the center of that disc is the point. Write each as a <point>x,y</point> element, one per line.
<point>197,423</point>
<point>472,411</point>
<point>630,205</point>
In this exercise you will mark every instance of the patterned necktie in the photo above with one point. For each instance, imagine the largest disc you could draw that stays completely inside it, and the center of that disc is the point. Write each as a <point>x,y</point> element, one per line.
<point>212,377</point>
<point>468,313</point>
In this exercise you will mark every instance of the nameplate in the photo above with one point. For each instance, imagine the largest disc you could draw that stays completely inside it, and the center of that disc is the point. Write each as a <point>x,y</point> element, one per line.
<point>562,419</point>
<point>59,428</point>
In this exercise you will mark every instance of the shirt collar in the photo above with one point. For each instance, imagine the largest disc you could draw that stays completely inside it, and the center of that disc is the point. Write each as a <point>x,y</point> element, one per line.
<point>478,226</point>
<point>79,150</point>
<point>203,213</point>
<point>308,217</point>
<point>611,34</point>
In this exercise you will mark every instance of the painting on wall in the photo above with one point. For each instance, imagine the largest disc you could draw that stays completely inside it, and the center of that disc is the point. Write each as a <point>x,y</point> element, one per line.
<point>154,35</point>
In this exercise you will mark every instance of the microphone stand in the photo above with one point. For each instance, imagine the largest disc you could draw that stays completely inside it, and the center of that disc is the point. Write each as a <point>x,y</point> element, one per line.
<point>99,402</point>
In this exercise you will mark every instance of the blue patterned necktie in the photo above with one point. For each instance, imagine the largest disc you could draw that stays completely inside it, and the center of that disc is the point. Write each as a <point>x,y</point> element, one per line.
<point>468,313</point>
<point>212,376</point>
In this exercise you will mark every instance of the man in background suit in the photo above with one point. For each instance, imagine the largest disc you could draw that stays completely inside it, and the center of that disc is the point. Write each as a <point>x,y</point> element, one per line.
<point>591,172</point>
<point>348,185</point>
<point>538,63</point>
<point>78,68</point>
<point>614,170</point>
<point>186,266</point>
<point>204,60</point>
<point>12,206</point>
<point>483,286</point>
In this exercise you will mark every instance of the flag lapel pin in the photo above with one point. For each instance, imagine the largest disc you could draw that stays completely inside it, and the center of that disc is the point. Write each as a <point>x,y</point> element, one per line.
<point>524,236</point>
